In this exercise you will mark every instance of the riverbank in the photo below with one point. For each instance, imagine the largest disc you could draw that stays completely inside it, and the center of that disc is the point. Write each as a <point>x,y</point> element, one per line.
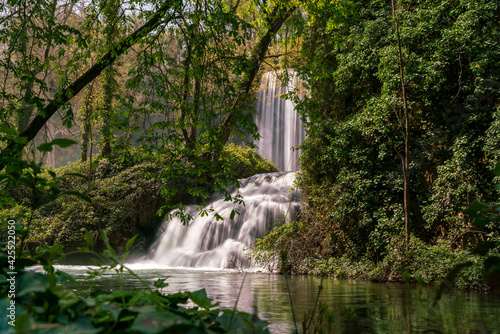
<point>422,263</point>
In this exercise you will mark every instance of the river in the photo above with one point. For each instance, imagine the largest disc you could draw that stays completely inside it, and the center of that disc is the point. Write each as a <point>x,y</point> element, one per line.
<point>357,306</point>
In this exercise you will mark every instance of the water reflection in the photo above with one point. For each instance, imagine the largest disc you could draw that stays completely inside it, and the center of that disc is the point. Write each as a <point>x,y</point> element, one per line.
<point>358,306</point>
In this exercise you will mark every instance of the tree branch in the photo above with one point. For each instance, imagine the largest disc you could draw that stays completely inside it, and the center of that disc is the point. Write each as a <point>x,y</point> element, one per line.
<point>64,95</point>
<point>276,19</point>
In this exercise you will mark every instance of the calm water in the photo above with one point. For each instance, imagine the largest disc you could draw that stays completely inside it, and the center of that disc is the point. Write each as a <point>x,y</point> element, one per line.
<point>358,306</point>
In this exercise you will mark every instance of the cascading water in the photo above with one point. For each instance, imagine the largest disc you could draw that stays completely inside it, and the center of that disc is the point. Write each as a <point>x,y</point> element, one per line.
<point>209,243</point>
<point>279,125</point>
<point>206,242</point>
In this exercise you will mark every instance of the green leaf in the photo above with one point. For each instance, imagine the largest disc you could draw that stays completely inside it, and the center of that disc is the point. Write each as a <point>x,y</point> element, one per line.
<point>113,311</point>
<point>66,277</point>
<point>157,322</point>
<point>20,140</point>
<point>233,214</point>
<point>22,321</point>
<point>200,298</point>
<point>88,239</point>
<point>160,283</point>
<point>8,130</point>
<point>61,142</point>
<point>53,185</point>
<point>130,242</point>
<point>105,238</point>
<point>31,282</point>
<point>81,326</point>
<point>496,170</point>
<point>67,298</point>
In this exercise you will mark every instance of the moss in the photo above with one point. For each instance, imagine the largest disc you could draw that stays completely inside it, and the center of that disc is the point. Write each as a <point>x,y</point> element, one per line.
<point>247,162</point>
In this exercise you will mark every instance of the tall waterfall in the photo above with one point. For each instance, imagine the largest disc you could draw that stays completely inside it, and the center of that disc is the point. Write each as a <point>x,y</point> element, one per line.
<point>279,125</point>
<point>206,242</point>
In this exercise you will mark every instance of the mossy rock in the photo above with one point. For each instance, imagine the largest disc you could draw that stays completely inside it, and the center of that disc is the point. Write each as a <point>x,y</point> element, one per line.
<point>247,162</point>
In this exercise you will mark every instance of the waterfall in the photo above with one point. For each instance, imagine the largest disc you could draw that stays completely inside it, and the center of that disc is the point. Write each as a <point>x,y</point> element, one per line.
<point>209,243</point>
<point>279,125</point>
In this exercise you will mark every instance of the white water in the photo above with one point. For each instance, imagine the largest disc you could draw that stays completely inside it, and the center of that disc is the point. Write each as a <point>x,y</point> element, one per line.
<point>279,125</point>
<point>208,243</point>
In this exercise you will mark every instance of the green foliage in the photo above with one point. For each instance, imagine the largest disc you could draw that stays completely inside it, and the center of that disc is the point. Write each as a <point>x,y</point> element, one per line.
<point>352,157</point>
<point>423,263</point>
<point>430,264</point>
<point>45,303</point>
<point>351,163</point>
<point>246,162</point>
<point>487,216</point>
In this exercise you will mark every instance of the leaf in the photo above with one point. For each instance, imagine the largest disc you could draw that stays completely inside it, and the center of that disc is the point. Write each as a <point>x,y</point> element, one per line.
<point>53,185</point>
<point>157,322</point>
<point>160,283</point>
<point>61,142</point>
<point>8,130</point>
<point>130,242</point>
<point>67,298</point>
<point>200,298</point>
<point>105,238</point>
<point>46,147</point>
<point>113,311</point>
<point>64,277</point>
<point>81,326</point>
<point>88,239</point>
<point>31,282</point>
<point>233,214</point>
<point>20,140</point>
<point>22,321</point>
<point>496,170</point>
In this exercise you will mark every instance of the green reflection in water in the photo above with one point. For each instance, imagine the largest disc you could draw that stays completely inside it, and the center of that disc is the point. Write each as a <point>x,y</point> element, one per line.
<point>359,306</point>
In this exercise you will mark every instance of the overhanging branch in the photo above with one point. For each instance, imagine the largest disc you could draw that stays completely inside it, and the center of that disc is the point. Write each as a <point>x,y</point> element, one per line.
<point>64,95</point>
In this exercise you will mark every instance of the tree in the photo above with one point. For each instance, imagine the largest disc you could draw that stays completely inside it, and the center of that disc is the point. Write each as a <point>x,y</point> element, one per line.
<point>379,166</point>
<point>111,9</point>
<point>64,94</point>
<point>197,78</point>
<point>86,115</point>
<point>405,157</point>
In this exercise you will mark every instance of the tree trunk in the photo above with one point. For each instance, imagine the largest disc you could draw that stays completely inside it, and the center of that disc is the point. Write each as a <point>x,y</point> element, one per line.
<point>87,108</point>
<point>406,156</point>
<point>110,10</point>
